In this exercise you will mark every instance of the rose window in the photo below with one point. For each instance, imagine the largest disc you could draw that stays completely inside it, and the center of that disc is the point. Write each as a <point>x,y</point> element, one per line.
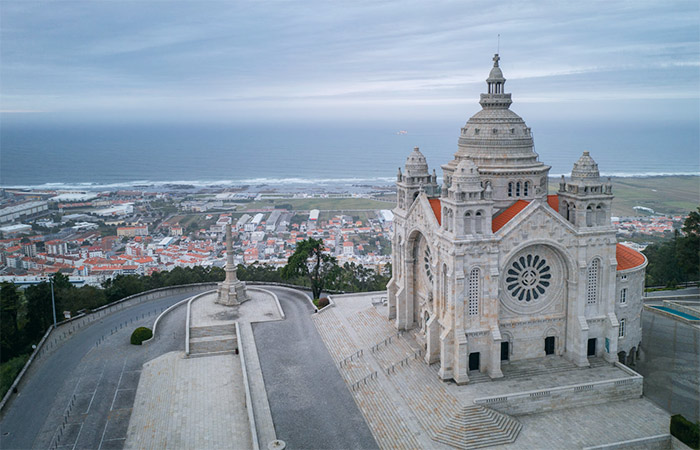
<point>528,278</point>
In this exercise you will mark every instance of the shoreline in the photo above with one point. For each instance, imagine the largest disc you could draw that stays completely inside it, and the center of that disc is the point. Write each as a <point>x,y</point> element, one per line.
<point>309,185</point>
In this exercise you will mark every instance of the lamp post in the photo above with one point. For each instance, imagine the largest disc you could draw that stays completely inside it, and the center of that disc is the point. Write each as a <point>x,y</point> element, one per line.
<point>53,302</point>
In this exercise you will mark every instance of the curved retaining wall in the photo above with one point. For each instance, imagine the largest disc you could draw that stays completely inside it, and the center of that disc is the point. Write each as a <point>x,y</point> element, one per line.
<point>63,330</point>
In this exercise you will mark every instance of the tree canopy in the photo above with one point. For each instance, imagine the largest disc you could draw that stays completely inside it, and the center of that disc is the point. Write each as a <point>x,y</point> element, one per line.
<point>676,260</point>
<point>311,261</point>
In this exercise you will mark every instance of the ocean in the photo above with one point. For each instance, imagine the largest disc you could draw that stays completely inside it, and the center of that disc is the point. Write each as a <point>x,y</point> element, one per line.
<point>318,154</point>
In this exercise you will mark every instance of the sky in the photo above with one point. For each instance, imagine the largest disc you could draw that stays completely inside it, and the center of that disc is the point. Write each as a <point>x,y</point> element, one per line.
<point>205,61</point>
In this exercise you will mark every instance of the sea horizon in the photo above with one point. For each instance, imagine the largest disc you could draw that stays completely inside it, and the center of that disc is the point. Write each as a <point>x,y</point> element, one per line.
<point>295,156</point>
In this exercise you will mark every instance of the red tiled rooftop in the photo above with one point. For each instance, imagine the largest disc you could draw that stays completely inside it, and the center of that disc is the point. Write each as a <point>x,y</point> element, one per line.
<point>553,202</point>
<point>628,258</point>
<point>437,210</point>
<point>503,218</point>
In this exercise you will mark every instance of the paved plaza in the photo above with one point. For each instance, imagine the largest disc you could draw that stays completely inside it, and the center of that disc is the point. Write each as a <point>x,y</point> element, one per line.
<point>190,403</point>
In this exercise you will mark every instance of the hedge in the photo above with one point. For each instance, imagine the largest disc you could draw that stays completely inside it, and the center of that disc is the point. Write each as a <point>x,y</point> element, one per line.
<point>686,431</point>
<point>141,334</point>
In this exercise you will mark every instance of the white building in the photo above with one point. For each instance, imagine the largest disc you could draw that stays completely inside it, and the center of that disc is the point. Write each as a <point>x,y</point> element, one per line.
<point>489,268</point>
<point>16,212</point>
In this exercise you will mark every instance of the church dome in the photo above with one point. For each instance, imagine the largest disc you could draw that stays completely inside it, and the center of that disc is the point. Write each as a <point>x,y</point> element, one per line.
<point>585,169</point>
<point>496,136</point>
<point>416,165</point>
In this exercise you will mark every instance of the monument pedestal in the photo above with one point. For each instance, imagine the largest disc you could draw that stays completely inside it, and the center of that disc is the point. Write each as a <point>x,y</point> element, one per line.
<point>231,294</point>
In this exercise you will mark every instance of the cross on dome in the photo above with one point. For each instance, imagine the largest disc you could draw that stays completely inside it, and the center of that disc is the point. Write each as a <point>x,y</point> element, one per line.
<point>496,58</point>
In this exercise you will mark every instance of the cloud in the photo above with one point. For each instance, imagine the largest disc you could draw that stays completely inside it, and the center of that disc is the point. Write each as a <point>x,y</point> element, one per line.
<point>200,57</point>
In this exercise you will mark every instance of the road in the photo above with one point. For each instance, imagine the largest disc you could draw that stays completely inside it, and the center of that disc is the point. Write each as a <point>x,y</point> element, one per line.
<point>93,375</point>
<point>310,403</point>
<point>649,296</point>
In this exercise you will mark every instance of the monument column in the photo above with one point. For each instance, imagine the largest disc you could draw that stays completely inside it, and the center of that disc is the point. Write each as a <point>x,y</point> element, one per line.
<point>232,291</point>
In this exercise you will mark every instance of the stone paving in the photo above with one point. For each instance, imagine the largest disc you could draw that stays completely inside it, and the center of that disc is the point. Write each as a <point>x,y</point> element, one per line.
<point>190,403</point>
<point>199,402</point>
<point>389,380</point>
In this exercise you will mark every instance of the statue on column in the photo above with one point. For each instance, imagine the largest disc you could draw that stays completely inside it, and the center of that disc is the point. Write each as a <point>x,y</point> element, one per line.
<point>231,292</point>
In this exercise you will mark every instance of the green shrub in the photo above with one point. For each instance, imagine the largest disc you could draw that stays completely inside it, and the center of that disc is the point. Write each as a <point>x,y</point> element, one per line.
<point>322,302</point>
<point>686,431</point>
<point>141,334</point>
<point>9,371</point>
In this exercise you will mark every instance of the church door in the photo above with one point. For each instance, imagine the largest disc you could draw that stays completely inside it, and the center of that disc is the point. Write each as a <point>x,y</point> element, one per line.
<point>505,351</point>
<point>549,345</point>
<point>591,347</point>
<point>474,361</point>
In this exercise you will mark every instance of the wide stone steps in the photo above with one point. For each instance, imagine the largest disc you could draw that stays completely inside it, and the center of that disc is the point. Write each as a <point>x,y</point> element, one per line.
<point>215,330</point>
<point>334,335</point>
<point>380,412</point>
<point>477,426</point>
<point>212,346</point>
<point>389,429</point>
<point>443,417</point>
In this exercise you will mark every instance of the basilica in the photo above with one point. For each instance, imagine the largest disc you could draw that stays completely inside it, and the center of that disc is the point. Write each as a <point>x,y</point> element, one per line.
<point>490,268</point>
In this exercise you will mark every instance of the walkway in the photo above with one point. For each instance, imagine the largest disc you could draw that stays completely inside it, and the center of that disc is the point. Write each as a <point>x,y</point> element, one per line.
<point>190,403</point>
<point>311,405</point>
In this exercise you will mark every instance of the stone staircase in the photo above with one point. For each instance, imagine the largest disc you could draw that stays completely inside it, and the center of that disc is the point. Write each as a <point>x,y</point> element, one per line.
<point>439,413</point>
<point>477,427</point>
<point>381,413</point>
<point>213,340</point>
<point>533,368</point>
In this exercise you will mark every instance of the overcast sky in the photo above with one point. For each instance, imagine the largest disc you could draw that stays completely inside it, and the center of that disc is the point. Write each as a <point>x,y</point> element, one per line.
<point>352,60</point>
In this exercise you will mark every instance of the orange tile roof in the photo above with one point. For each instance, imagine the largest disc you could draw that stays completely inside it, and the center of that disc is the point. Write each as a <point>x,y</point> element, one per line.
<point>553,201</point>
<point>503,218</point>
<point>437,210</point>
<point>628,258</point>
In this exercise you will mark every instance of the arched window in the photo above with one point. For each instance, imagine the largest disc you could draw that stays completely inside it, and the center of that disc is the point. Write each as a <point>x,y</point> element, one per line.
<point>589,216</point>
<point>517,189</point>
<point>600,215</point>
<point>477,222</point>
<point>445,219</point>
<point>443,301</point>
<point>572,213</point>
<point>592,282</point>
<point>474,292</point>
<point>510,189</point>
<point>468,223</point>
<point>526,188</point>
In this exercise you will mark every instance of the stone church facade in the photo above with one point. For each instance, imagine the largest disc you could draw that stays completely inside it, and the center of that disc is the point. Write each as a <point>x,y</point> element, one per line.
<point>489,268</point>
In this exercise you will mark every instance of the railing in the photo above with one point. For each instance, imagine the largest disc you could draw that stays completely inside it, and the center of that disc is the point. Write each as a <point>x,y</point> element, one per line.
<point>363,381</point>
<point>392,368</point>
<point>344,362</point>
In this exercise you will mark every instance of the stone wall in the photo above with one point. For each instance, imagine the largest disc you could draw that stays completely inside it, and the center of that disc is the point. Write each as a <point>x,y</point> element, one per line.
<point>631,310</point>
